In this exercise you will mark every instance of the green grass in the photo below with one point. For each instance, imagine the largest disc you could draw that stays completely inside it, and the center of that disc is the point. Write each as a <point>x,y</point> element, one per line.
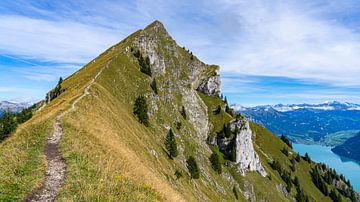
<point>217,121</point>
<point>21,161</point>
<point>112,157</point>
<point>271,145</point>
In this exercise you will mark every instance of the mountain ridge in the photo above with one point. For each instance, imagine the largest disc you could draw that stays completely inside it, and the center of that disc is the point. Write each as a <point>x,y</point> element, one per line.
<point>328,105</point>
<point>329,123</point>
<point>112,156</point>
<point>13,106</point>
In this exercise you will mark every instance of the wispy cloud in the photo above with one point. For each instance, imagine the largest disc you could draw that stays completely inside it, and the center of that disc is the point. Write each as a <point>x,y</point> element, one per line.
<point>313,41</point>
<point>293,39</point>
<point>63,41</point>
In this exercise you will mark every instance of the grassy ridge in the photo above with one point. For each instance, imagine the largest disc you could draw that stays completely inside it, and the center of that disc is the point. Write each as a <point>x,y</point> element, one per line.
<point>22,164</point>
<point>112,157</point>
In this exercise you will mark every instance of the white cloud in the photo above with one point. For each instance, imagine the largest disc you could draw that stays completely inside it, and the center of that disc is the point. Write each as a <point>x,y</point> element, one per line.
<point>59,41</point>
<point>278,38</point>
<point>294,39</point>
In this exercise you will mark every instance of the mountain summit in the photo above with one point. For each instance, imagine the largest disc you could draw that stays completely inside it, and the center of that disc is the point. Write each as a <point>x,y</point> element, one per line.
<point>144,122</point>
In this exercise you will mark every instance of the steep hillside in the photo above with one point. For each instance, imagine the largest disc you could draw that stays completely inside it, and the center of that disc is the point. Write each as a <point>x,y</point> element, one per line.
<point>350,148</point>
<point>109,154</point>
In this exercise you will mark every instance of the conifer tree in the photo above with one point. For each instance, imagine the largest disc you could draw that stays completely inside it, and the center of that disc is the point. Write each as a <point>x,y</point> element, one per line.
<point>193,168</point>
<point>140,110</point>
<point>154,86</point>
<point>24,115</point>
<point>216,162</point>
<point>144,65</point>
<point>307,157</point>
<point>7,125</point>
<point>286,141</point>
<point>298,158</point>
<point>170,144</point>
<point>285,151</point>
<point>137,54</point>
<point>183,112</point>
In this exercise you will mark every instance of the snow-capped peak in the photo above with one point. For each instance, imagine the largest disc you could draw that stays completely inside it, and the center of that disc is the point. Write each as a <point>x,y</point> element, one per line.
<point>13,106</point>
<point>325,106</point>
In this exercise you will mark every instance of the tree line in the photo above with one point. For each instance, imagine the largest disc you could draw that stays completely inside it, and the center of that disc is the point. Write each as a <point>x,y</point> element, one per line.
<point>9,121</point>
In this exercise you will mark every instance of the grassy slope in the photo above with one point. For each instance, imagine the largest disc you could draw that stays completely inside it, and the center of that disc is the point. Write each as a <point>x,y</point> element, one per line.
<point>21,163</point>
<point>124,154</point>
<point>269,144</point>
<point>112,157</point>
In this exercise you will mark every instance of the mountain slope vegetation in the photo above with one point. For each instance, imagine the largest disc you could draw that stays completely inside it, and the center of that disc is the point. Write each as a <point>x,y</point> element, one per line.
<point>350,148</point>
<point>113,154</point>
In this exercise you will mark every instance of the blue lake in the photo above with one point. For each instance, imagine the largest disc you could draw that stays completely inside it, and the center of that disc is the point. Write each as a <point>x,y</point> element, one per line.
<point>318,153</point>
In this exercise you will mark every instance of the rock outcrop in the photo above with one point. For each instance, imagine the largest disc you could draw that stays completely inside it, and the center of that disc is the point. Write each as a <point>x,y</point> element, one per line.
<point>211,85</point>
<point>246,157</point>
<point>167,63</point>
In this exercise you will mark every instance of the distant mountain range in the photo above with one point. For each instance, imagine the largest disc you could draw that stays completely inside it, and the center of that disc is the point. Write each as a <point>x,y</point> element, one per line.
<point>326,106</point>
<point>330,123</point>
<point>13,106</point>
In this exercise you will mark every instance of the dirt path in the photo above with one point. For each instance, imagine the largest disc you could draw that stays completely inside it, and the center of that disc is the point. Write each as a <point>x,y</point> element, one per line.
<point>55,173</point>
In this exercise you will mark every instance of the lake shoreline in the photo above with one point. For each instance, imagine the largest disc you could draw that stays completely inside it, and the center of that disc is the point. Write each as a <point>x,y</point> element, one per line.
<point>323,154</point>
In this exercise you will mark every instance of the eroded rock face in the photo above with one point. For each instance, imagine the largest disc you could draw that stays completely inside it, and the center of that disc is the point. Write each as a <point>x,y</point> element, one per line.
<point>149,42</point>
<point>246,157</point>
<point>211,86</point>
<point>167,63</point>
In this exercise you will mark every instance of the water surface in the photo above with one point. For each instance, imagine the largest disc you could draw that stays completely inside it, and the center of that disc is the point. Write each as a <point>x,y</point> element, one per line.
<point>348,167</point>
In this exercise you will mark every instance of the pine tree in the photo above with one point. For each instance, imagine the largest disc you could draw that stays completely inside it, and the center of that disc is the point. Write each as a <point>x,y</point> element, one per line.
<point>307,157</point>
<point>232,153</point>
<point>24,115</point>
<point>298,158</point>
<point>227,130</point>
<point>170,144</point>
<point>183,112</point>
<point>144,65</point>
<point>7,125</point>
<point>178,125</point>
<point>154,86</point>
<point>216,162</point>
<point>335,197</point>
<point>285,151</point>
<point>137,54</point>
<point>193,168</point>
<point>140,110</point>
<point>237,130</point>
<point>296,182</point>
<point>286,141</point>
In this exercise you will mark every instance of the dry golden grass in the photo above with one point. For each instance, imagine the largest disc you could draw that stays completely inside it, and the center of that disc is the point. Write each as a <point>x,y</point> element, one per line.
<point>114,135</point>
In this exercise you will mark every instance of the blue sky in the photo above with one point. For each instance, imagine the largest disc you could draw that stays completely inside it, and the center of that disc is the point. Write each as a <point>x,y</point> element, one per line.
<point>269,51</point>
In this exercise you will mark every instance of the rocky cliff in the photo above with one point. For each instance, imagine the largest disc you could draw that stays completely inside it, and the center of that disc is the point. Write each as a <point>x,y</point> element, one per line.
<point>246,157</point>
